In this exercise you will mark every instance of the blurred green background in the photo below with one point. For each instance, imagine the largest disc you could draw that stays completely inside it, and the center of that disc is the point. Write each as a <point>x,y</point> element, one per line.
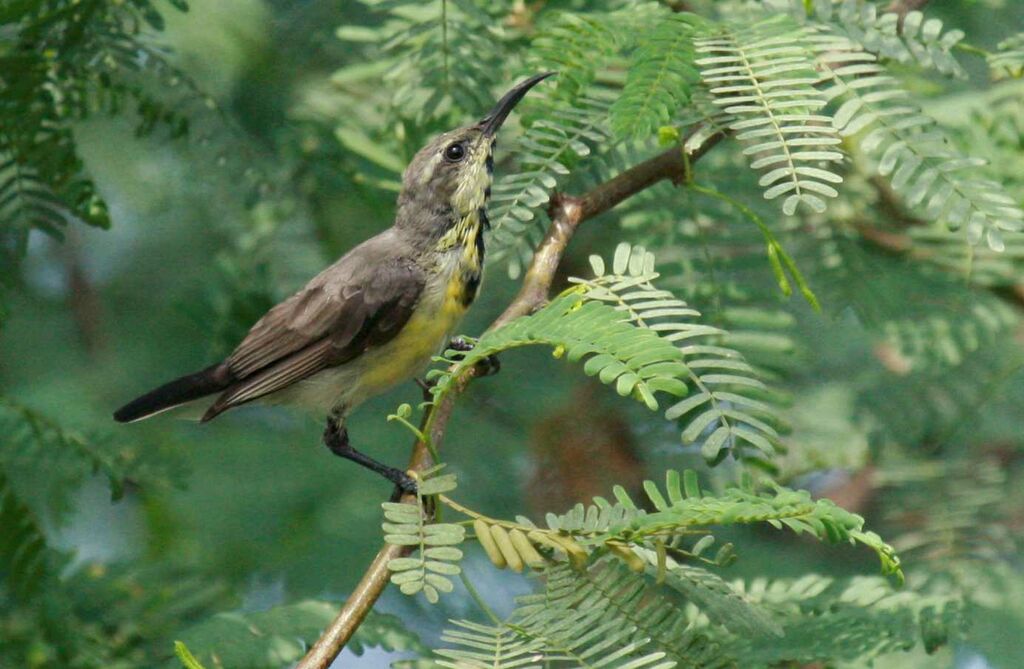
<point>252,505</point>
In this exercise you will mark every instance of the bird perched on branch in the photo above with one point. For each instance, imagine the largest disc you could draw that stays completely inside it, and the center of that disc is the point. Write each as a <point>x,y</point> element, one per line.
<point>376,316</point>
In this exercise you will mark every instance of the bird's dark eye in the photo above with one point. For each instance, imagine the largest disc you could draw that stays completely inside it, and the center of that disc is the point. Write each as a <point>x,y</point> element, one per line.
<point>454,152</point>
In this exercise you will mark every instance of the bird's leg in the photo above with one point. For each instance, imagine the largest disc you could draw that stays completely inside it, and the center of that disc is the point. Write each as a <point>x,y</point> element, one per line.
<point>487,366</point>
<point>426,387</point>
<point>336,439</point>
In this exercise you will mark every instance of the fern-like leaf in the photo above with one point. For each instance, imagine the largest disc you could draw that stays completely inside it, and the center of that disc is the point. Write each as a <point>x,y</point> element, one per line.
<point>683,511</point>
<point>488,647</point>
<point>660,79</point>
<point>636,360</point>
<point>436,556</point>
<point>916,40</point>
<point>441,58</point>
<point>727,405</point>
<point>632,335</point>
<point>916,157</point>
<point>716,598</point>
<point>610,593</point>
<point>23,548</point>
<point>606,617</point>
<point>763,78</point>
<point>821,619</point>
<point>565,133</point>
<point>577,46</point>
<point>1008,59</point>
<point>604,608</point>
<point>846,620</point>
<point>71,62</point>
<point>569,122</point>
<point>35,443</point>
<point>685,506</point>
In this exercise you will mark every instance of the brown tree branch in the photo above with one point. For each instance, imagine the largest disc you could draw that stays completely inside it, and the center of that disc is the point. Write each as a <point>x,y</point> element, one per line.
<point>903,7</point>
<point>567,213</point>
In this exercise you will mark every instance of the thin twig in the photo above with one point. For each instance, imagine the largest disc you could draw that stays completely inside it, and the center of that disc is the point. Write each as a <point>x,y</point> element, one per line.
<point>904,7</point>
<point>567,213</point>
<point>899,242</point>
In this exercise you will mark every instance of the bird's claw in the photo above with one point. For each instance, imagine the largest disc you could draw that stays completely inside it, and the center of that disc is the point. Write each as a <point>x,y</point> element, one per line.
<point>404,485</point>
<point>489,366</point>
<point>485,367</point>
<point>460,344</point>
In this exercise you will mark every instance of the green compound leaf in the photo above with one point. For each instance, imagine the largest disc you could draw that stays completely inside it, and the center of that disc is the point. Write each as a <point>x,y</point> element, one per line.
<point>763,77</point>
<point>660,78</point>
<point>435,558</point>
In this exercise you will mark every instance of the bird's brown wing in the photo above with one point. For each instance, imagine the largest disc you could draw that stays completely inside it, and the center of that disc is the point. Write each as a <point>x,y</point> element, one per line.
<point>361,302</point>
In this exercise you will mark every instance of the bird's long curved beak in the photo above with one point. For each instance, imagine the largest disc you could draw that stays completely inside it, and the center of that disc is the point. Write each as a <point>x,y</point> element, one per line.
<point>493,121</point>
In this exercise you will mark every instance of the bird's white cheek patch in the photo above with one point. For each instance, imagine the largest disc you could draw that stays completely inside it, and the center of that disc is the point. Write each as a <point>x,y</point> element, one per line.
<point>430,169</point>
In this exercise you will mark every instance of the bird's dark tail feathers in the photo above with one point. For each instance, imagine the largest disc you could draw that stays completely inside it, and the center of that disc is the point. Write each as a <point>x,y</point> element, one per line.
<point>189,387</point>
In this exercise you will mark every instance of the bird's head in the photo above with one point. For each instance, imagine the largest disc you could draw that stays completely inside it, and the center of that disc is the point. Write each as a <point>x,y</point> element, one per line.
<point>450,178</point>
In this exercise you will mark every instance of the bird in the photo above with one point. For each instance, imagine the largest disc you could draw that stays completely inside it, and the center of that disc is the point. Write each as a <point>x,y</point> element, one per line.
<point>377,315</point>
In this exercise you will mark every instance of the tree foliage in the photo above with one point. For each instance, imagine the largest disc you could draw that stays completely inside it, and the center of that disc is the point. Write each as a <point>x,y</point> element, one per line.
<point>867,158</point>
<point>71,60</point>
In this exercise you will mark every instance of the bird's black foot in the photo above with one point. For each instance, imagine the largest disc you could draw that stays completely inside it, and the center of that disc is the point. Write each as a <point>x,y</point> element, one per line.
<point>460,344</point>
<point>489,366</point>
<point>336,439</point>
<point>486,367</point>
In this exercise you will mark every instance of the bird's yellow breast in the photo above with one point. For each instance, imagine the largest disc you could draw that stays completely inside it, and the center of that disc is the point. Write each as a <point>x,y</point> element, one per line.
<point>425,333</point>
<point>443,303</point>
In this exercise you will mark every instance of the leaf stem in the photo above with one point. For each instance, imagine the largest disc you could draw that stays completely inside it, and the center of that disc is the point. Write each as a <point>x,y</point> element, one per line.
<point>471,589</point>
<point>971,49</point>
<point>776,254</point>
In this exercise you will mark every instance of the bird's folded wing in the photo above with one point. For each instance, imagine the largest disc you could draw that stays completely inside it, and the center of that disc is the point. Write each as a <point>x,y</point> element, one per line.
<point>334,319</point>
<point>314,313</point>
